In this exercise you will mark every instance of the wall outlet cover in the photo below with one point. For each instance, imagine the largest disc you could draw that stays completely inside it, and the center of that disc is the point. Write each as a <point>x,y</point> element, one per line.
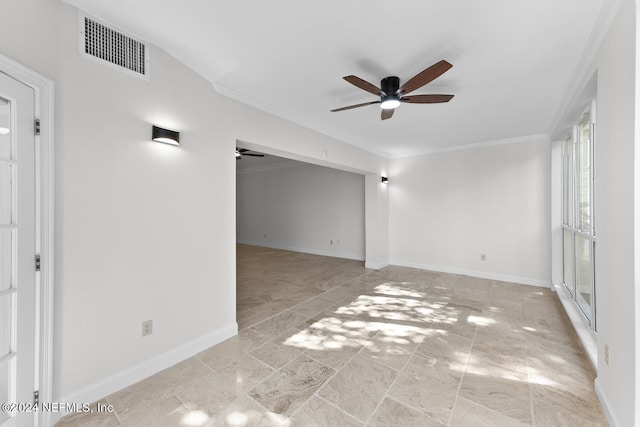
<point>147,327</point>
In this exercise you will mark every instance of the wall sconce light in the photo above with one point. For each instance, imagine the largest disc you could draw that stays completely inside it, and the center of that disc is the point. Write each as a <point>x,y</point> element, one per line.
<point>385,180</point>
<point>165,135</point>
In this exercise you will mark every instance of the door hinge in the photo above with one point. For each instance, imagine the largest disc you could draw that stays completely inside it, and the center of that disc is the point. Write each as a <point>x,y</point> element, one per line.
<point>36,398</point>
<point>37,262</point>
<point>36,126</point>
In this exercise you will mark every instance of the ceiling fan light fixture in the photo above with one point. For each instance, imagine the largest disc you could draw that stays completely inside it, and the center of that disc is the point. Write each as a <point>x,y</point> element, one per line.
<point>389,102</point>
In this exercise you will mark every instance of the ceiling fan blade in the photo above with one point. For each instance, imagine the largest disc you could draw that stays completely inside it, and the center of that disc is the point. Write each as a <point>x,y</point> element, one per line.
<point>253,155</point>
<point>364,85</point>
<point>424,77</point>
<point>426,99</point>
<point>356,106</point>
<point>242,150</point>
<point>386,114</point>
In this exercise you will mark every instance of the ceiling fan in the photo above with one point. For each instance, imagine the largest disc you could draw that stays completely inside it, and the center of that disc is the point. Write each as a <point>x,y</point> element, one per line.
<point>244,152</point>
<point>392,94</point>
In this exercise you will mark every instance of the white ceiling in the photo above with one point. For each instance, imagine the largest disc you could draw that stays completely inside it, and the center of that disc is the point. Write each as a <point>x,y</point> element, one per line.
<point>513,61</point>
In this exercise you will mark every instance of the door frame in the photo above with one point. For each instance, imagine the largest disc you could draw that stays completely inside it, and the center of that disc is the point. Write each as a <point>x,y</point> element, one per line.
<point>44,181</point>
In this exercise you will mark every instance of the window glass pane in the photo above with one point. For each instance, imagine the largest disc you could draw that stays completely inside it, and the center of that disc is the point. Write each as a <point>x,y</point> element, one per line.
<point>6,259</point>
<point>584,276</point>
<point>569,277</point>
<point>5,137</point>
<point>6,195</point>
<point>584,174</point>
<point>567,182</point>
<point>5,325</point>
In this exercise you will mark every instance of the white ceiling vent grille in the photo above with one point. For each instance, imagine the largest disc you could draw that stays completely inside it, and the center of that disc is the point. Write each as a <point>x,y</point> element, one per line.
<point>102,42</point>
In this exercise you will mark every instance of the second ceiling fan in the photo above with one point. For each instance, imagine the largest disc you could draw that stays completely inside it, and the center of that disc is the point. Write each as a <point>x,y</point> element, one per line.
<point>392,94</point>
<point>245,152</point>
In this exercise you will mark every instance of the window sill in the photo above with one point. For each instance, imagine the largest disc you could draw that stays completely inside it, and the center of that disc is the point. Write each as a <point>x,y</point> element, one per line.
<point>585,334</point>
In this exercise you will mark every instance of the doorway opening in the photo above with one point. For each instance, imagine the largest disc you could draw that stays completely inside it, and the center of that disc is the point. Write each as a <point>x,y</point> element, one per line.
<point>291,213</point>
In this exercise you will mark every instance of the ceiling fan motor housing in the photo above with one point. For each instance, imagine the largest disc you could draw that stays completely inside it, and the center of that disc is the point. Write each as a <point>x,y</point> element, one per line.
<point>389,86</point>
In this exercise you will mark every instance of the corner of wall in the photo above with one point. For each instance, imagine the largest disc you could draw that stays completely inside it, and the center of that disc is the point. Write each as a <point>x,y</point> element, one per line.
<point>376,222</point>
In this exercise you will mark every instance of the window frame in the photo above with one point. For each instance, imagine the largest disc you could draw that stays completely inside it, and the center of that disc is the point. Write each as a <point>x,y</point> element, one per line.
<point>572,220</point>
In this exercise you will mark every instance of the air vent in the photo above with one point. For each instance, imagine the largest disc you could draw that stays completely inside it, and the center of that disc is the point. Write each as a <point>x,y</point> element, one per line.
<point>106,44</point>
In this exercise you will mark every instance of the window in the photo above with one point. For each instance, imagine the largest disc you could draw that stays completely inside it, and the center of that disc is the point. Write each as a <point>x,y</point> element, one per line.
<point>579,239</point>
<point>584,174</point>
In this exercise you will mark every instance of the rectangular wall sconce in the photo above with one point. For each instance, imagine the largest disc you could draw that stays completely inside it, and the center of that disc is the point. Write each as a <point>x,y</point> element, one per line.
<point>385,180</point>
<point>166,136</point>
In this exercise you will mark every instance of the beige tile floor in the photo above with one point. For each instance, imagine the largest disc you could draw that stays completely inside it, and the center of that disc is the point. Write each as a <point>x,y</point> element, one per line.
<point>324,342</point>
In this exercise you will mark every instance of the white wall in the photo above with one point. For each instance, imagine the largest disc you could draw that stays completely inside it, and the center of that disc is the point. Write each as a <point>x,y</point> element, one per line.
<point>557,256</point>
<point>143,231</point>
<point>616,218</point>
<point>448,208</point>
<point>376,221</point>
<point>306,208</point>
<point>137,222</point>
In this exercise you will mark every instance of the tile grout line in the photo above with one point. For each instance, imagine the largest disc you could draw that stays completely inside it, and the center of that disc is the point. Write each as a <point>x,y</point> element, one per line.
<point>337,370</point>
<point>316,392</point>
<point>386,393</point>
<point>115,412</point>
<point>341,284</point>
<point>455,402</point>
<point>337,407</point>
<point>244,393</point>
<point>305,352</point>
<point>531,403</point>
<point>279,370</point>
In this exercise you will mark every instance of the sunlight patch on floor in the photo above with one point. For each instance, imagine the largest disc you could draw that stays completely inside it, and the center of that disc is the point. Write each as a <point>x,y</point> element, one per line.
<point>535,377</point>
<point>396,311</point>
<point>512,372</point>
<point>251,418</point>
<point>481,321</point>
<point>389,289</point>
<point>194,419</point>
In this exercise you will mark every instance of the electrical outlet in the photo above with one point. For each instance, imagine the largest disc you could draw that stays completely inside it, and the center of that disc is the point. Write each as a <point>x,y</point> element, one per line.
<point>338,241</point>
<point>607,354</point>
<point>483,257</point>
<point>147,327</point>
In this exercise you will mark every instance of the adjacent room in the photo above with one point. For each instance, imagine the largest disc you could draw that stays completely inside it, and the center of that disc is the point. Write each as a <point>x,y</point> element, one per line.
<point>429,218</point>
<point>297,207</point>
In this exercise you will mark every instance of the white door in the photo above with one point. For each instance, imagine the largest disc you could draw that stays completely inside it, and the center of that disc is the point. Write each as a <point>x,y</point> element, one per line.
<point>17,250</point>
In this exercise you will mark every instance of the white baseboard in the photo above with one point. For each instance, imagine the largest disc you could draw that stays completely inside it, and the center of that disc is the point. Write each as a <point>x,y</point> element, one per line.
<point>606,405</point>
<point>145,369</point>
<point>335,254</point>
<point>474,273</point>
<point>375,266</point>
